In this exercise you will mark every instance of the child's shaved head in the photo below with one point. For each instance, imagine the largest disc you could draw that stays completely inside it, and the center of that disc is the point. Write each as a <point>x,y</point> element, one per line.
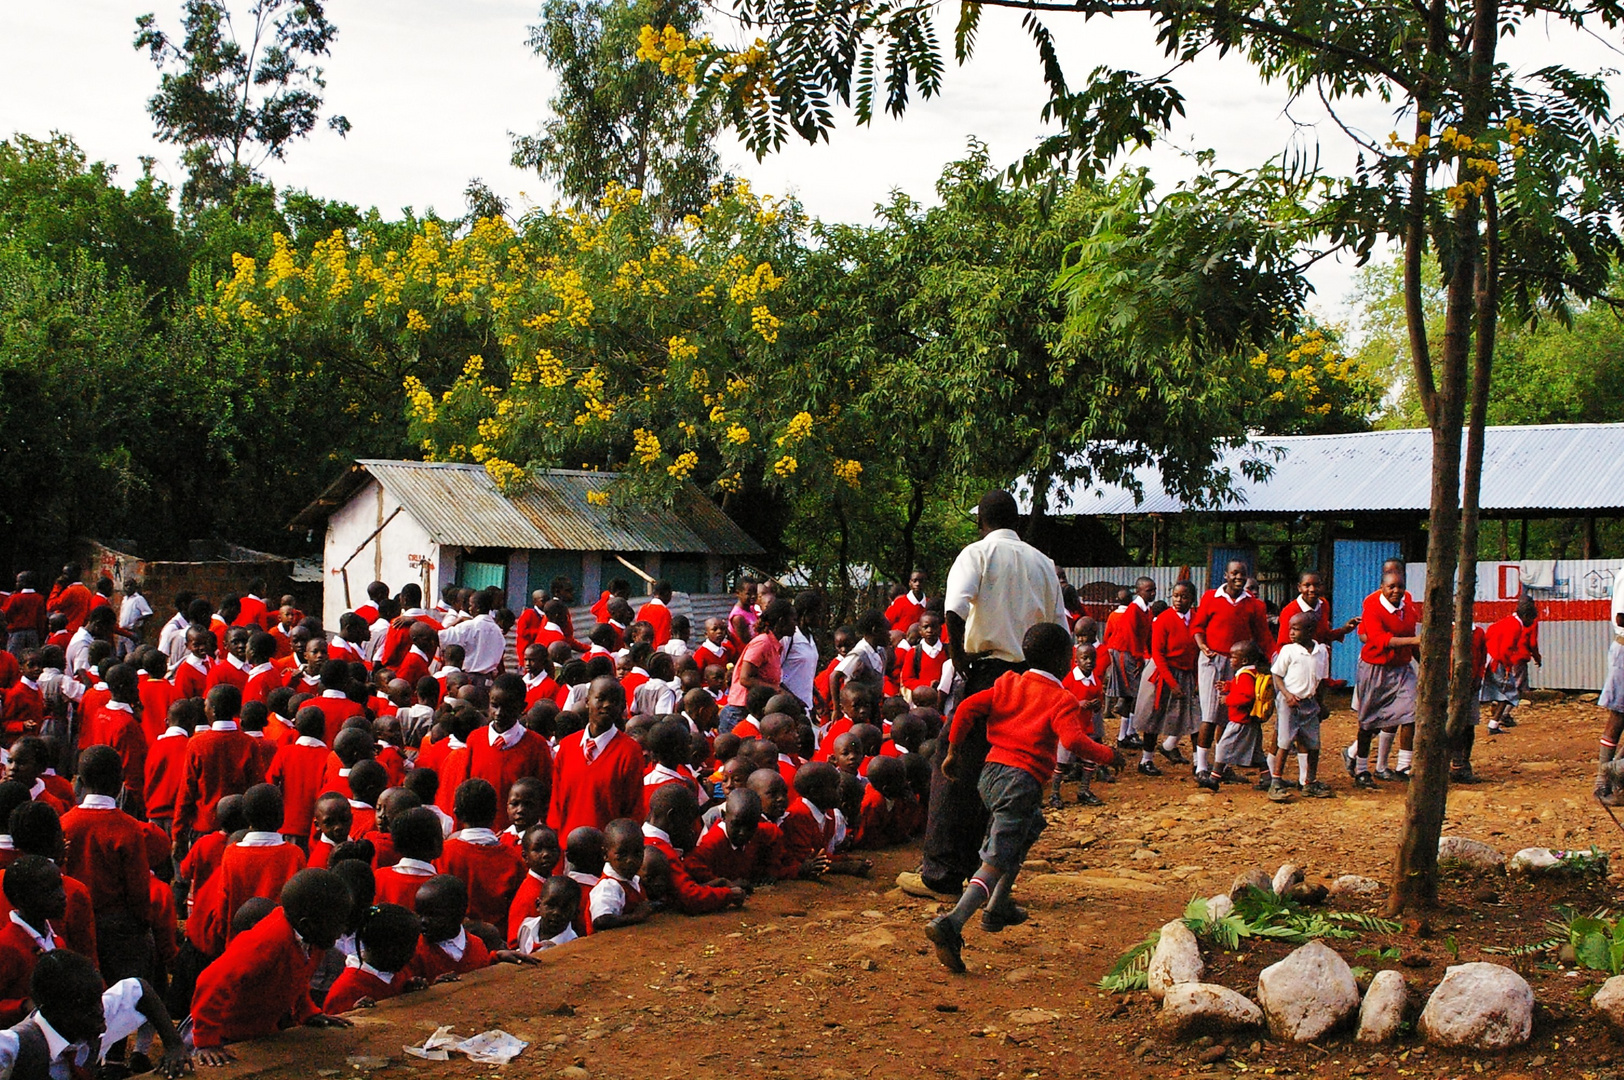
<point>584,849</point>
<point>774,793</point>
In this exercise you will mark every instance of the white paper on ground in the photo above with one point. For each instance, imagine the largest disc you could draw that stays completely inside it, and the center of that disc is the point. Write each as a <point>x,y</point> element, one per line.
<point>495,1047</point>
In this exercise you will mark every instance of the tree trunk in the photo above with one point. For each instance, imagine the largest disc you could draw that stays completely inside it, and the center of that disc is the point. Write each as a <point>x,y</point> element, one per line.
<point>916,510</point>
<point>845,561</point>
<point>1415,878</point>
<point>1040,502</point>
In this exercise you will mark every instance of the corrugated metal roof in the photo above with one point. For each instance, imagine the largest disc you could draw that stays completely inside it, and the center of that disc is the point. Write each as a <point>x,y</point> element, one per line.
<point>1553,467</point>
<point>459,505</point>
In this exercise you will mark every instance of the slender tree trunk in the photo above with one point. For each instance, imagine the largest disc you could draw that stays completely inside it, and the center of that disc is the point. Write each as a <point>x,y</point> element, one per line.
<point>916,510</point>
<point>1415,879</point>
<point>845,560</point>
<point>1040,503</point>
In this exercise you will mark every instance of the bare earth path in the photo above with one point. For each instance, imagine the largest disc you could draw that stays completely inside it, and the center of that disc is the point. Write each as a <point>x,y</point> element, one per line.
<point>833,979</point>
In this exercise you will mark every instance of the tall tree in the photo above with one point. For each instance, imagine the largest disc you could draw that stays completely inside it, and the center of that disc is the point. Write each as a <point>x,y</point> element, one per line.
<point>1511,176</point>
<point>615,120</point>
<point>234,104</point>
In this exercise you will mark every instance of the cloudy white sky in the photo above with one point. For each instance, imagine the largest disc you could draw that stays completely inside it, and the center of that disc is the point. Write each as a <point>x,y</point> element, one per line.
<point>434,89</point>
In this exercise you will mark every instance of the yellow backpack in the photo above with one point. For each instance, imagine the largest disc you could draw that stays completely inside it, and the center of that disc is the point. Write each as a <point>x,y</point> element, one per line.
<point>1263,703</point>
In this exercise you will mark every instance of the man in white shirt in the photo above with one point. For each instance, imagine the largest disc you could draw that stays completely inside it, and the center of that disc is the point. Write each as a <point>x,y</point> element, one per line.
<point>1609,776</point>
<point>998,587</point>
<point>133,614</point>
<point>482,641</point>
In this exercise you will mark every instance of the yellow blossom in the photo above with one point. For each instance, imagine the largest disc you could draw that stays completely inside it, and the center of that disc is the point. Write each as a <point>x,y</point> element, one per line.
<point>598,498</point>
<point>738,434</point>
<point>784,466</point>
<point>415,322</point>
<point>684,465</point>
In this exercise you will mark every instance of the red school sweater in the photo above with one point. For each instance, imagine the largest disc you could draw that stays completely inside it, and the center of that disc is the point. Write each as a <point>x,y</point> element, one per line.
<point>523,905</point>
<point>336,710</point>
<point>297,770</point>
<point>1508,643</point>
<point>1226,621</point>
<point>690,896</point>
<point>1322,622</point>
<point>804,836</point>
<point>716,856</point>
<point>122,731</point>
<point>1172,648</point>
<point>597,792</point>
<point>1027,715</point>
<point>191,678</point>
<point>502,766</point>
<point>1380,625</point>
<point>492,872</point>
<point>397,885</point>
<point>166,768</point>
<point>107,851</point>
<point>432,961</point>
<point>260,984</point>
<point>19,952</point>
<point>353,984</point>
<point>247,872</point>
<point>657,615</point>
<point>218,763</point>
<point>883,824</point>
<point>156,697</point>
<point>230,671</point>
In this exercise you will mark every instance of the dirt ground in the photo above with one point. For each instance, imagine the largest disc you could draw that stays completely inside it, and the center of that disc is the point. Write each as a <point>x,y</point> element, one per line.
<point>833,979</point>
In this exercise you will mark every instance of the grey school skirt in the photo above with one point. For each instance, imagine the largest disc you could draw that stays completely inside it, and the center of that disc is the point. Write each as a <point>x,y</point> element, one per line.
<point>1157,712</point>
<point>1504,684</point>
<point>1612,691</point>
<point>1386,696</point>
<point>1211,673</point>
<point>1122,675</point>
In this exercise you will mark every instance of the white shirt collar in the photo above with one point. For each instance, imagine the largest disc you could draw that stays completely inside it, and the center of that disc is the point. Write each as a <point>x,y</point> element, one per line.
<point>932,651</point>
<point>333,694</point>
<point>1043,675</point>
<point>43,941</point>
<point>97,802</point>
<point>420,652</point>
<point>240,665</point>
<point>260,669</point>
<point>308,740</point>
<point>354,961</point>
<point>198,662</point>
<point>415,867</point>
<point>508,739</point>
<point>223,725</point>
<point>37,790</point>
<point>357,804</point>
<point>662,774</point>
<point>260,839</point>
<point>655,833</point>
<point>120,706</point>
<point>603,740</point>
<point>1141,603</point>
<point>655,601</point>
<point>818,815</point>
<point>483,837</point>
<point>454,947</point>
<point>173,733</point>
<point>1390,607</point>
<point>588,880</point>
<point>30,683</point>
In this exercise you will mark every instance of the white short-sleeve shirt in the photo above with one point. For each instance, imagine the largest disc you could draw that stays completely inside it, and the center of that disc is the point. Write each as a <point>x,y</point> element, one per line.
<point>1001,586</point>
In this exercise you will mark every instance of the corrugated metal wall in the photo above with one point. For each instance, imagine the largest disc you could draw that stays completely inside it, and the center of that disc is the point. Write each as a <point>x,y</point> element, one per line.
<point>1356,572</point>
<point>1165,577</point>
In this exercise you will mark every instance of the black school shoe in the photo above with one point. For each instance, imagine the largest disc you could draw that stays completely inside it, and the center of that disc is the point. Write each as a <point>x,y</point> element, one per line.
<point>1088,798</point>
<point>1132,742</point>
<point>1206,780</point>
<point>1148,768</point>
<point>1173,756</point>
<point>1365,781</point>
<point>949,943</point>
<point>995,921</point>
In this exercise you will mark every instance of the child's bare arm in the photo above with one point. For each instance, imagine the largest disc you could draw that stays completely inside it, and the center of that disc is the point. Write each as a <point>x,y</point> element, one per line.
<point>628,917</point>
<point>843,864</point>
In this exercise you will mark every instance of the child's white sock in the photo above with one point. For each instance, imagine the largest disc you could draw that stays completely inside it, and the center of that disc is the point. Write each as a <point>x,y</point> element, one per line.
<point>1302,769</point>
<point>1170,743</point>
<point>1202,763</point>
<point>1404,759</point>
<point>1125,729</point>
<point>1361,764</point>
<point>1275,761</point>
<point>1146,757</point>
<point>1384,743</point>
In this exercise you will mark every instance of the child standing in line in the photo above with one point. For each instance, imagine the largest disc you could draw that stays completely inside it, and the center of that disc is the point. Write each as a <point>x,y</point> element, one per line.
<point>1510,643</point>
<point>1083,682</point>
<point>1168,705</point>
<point>1298,711</point>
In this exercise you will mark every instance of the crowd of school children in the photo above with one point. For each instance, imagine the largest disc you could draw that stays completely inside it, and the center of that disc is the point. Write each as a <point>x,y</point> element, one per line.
<point>233,821</point>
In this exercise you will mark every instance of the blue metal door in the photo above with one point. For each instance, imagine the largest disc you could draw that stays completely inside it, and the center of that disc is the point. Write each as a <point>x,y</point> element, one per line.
<point>1356,572</point>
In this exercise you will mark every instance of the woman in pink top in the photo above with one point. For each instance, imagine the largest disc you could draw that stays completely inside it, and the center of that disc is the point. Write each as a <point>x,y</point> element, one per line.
<point>762,662</point>
<point>742,620</point>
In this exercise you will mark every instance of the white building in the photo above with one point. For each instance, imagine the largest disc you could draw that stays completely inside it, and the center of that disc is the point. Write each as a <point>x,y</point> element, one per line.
<point>442,524</point>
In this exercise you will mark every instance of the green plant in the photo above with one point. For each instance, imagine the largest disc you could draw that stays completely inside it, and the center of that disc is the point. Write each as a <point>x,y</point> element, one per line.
<point>1592,863</point>
<point>1597,939</point>
<point>1392,952</point>
<point>1261,914</point>
<point>1132,969</point>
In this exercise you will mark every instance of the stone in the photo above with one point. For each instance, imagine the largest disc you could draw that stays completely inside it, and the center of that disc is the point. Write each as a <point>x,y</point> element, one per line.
<point>1382,1011</point>
<point>1354,887</point>
<point>1176,959</point>
<point>1534,862</point>
<point>1307,994</point>
<point>1609,1001</point>
<point>574,1072</point>
<point>1465,854</point>
<point>1284,878</point>
<point>1202,1008</point>
<point>1305,893</point>
<point>1479,1007</point>
<point>1255,878</point>
<point>1219,906</point>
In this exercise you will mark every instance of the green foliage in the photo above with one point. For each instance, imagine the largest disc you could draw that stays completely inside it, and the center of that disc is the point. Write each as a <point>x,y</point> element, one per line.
<point>233,104</point>
<point>614,120</point>
<point>1597,938</point>
<point>1132,969</point>
<point>1259,913</point>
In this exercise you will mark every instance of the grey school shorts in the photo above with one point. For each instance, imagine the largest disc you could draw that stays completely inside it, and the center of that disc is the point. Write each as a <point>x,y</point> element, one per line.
<point>1015,800</point>
<point>1299,724</point>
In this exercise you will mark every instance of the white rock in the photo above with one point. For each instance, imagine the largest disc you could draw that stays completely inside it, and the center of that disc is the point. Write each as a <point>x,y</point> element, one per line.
<point>1205,1008</point>
<point>1219,906</point>
<point>1470,855</point>
<point>1307,994</point>
<point>1609,1001</point>
<point>1284,878</point>
<point>1356,887</point>
<point>1480,1007</point>
<point>1383,1008</point>
<point>1255,878</point>
<point>1176,959</point>
<point>1533,861</point>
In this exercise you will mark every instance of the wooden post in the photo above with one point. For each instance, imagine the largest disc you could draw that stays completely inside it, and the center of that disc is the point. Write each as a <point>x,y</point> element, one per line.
<point>1522,545</point>
<point>1590,537</point>
<point>1505,538</point>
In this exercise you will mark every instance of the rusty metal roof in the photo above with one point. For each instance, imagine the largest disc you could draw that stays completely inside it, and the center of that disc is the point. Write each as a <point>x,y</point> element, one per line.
<point>1546,467</point>
<point>459,505</point>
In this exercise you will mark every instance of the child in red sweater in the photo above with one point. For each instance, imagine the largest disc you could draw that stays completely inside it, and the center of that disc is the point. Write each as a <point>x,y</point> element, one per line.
<point>491,870</point>
<point>261,861</point>
<point>387,941</point>
<point>418,845</point>
<point>166,768</point>
<point>889,813</point>
<point>297,769</point>
<point>810,827</point>
<point>739,847</point>
<point>107,851</point>
<point>552,923</point>
<point>1168,705</point>
<point>220,761</point>
<point>671,830</point>
<point>330,822</point>
<point>33,888</point>
<point>449,948</point>
<point>541,857</point>
<point>526,808</point>
<point>121,729</point>
<point>504,750</point>
<point>261,983</point>
<point>598,775</point>
<point>1025,716</point>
